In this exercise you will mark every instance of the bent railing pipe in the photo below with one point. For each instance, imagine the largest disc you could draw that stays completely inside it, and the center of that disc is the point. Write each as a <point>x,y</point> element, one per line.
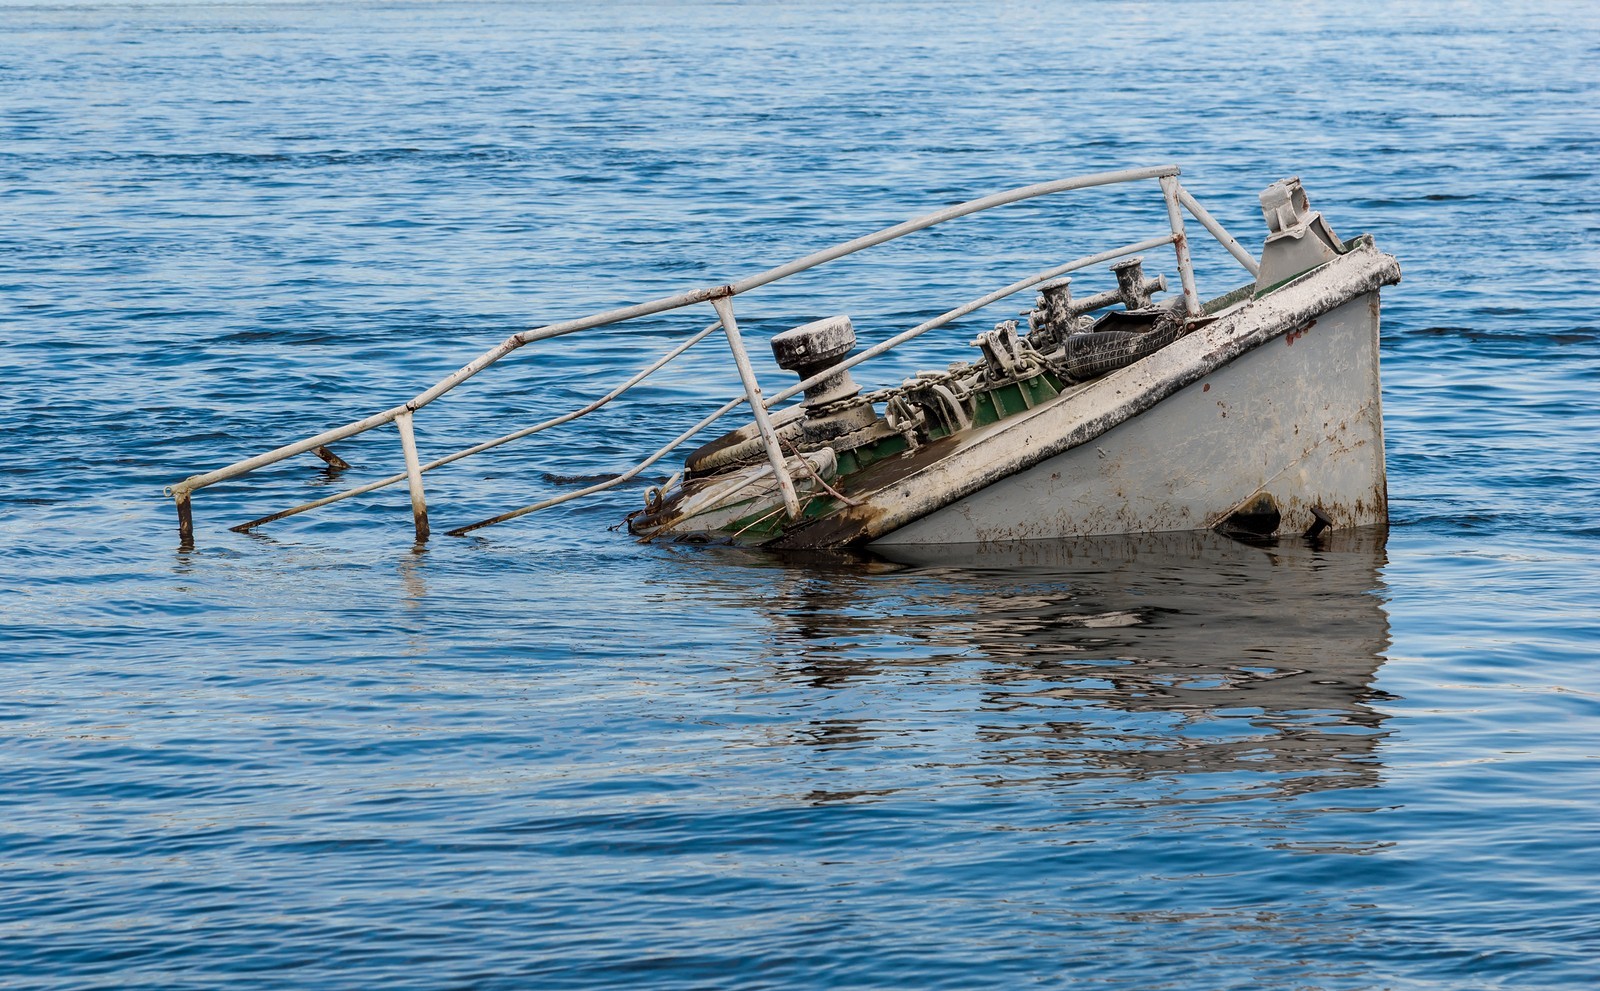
<point>1173,193</point>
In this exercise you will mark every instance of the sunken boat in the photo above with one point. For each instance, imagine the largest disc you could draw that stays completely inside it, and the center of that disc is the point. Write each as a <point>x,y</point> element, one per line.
<point>1128,410</point>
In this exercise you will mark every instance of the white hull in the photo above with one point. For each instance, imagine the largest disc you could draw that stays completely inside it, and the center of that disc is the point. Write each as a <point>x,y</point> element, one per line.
<point>1298,419</point>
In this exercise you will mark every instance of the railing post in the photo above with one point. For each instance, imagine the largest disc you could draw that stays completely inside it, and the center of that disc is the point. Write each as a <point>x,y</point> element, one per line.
<point>1180,244</point>
<point>752,392</point>
<point>185,520</point>
<point>419,505</point>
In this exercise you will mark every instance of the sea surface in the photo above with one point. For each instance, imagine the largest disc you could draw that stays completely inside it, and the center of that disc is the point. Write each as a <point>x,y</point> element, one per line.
<point>544,756</point>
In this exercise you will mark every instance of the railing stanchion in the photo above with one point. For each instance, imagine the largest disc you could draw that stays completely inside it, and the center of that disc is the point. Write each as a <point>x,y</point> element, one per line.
<point>752,392</point>
<point>419,505</point>
<point>1180,244</point>
<point>185,520</point>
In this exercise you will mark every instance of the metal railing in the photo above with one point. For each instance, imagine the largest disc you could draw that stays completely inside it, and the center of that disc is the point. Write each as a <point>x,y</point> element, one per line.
<point>720,297</point>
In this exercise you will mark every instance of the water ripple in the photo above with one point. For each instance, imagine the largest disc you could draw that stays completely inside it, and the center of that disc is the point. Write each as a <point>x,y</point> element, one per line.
<point>544,757</point>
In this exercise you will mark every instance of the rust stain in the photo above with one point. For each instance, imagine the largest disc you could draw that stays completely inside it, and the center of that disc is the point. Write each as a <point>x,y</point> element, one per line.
<point>1295,335</point>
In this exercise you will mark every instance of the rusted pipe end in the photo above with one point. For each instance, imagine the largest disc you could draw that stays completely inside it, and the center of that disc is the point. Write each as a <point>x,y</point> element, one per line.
<point>333,460</point>
<point>462,531</point>
<point>185,521</point>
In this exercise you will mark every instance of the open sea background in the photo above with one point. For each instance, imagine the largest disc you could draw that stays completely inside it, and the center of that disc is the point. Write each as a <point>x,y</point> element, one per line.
<point>546,757</point>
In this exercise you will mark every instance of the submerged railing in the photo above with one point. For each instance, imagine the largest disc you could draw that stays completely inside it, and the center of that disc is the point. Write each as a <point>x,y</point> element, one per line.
<point>720,297</point>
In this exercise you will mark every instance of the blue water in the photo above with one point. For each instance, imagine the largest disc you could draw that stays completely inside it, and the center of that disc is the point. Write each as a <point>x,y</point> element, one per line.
<point>546,757</point>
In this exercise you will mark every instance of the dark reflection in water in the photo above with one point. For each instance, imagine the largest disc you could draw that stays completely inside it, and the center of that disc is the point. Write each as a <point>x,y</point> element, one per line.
<point>1142,658</point>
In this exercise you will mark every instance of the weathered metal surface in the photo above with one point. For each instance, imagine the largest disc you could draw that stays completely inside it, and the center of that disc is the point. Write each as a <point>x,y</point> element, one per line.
<point>1002,450</point>
<point>1180,245</point>
<point>1288,429</point>
<point>758,410</point>
<point>1299,239</point>
<point>185,519</point>
<point>419,504</point>
<point>1132,289</point>
<point>332,460</point>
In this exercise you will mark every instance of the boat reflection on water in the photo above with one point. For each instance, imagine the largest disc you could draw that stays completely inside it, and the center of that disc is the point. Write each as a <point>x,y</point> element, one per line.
<point>1152,658</point>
